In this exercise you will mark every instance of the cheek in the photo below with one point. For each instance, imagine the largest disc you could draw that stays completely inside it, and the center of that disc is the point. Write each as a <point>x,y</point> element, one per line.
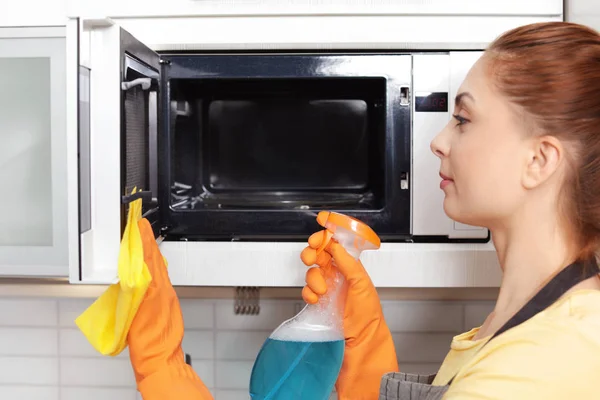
<point>487,182</point>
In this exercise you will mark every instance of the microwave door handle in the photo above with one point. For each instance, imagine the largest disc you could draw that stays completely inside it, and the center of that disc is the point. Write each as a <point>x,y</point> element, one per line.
<point>144,82</point>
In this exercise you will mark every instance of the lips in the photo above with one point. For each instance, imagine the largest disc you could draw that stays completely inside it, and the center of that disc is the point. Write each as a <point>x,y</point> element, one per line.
<point>446,180</point>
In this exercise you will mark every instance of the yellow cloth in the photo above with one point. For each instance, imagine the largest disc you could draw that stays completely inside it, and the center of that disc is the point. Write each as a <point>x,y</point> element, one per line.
<point>553,356</point>
<point>107,321</point>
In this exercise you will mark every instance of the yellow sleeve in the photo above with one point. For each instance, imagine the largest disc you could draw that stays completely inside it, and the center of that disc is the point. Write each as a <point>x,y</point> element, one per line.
<point>543,361</point>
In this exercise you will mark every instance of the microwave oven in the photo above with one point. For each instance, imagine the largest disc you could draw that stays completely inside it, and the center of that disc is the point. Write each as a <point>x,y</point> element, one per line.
<point>250,146</point>
<point>235,152</point>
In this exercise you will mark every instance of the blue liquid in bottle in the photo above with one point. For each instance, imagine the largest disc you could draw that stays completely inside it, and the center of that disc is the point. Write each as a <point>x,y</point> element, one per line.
<point>296,370</point>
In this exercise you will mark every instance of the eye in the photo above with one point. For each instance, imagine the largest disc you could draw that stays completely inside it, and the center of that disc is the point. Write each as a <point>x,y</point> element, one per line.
<point>460,120</point>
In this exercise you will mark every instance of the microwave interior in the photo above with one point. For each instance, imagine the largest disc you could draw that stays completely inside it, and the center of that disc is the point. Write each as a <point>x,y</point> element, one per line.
<point>277,144</point>
<point>252,147</point>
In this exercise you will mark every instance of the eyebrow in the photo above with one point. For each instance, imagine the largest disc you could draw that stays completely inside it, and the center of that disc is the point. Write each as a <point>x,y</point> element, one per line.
<point>459,98</point>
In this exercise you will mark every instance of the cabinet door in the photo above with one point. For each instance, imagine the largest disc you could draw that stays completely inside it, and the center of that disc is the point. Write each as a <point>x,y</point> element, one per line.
<point>34,239</point>
<point>115,115</point>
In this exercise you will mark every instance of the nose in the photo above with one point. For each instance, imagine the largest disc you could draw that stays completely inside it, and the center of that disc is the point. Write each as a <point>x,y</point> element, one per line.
<point>439,145</point>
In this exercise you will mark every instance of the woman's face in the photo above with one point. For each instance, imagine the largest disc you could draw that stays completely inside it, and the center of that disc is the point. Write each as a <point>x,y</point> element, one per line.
<point>483,152</point>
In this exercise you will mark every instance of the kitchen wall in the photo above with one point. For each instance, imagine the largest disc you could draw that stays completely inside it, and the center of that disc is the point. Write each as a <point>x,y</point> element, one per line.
<point>44,356</point>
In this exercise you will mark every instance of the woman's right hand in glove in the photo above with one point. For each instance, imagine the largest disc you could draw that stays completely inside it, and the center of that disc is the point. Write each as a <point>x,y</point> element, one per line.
<point>369,352</point>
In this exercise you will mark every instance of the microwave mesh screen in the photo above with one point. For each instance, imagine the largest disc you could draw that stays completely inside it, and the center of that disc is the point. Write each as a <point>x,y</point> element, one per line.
<point>136,140</point>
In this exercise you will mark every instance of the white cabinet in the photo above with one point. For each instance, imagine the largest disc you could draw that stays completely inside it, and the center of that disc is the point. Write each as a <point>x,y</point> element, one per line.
<point>586,12</point>
<point>34,234</point>
<point>34,13</point>
<point>188,8</point>
<point>330,24</point>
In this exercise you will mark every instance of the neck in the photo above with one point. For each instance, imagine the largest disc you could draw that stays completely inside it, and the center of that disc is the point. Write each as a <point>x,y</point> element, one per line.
<point>531,250</point>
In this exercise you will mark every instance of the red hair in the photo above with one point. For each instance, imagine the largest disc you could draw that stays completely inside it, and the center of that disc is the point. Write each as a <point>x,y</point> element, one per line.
<point>552,71</point>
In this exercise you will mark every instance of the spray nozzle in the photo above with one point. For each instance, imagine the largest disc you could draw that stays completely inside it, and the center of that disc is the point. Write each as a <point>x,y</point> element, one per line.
<point>353,234</point>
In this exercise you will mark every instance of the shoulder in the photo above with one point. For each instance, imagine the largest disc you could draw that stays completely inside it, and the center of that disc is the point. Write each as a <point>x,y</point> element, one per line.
<point>554,355</point>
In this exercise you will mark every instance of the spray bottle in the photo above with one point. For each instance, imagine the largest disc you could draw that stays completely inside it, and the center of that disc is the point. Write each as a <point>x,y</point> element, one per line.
<point>302,358</point>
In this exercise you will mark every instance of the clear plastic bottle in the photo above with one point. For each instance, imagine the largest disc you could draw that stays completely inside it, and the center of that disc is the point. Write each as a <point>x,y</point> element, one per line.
<point>302,358</point>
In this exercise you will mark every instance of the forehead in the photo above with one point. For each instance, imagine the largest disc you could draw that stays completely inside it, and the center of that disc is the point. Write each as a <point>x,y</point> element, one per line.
<point>477,82</point>
<point>488,103</point>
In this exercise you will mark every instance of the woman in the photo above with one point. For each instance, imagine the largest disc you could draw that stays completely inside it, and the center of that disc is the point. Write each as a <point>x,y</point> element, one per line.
<point>520,157</point>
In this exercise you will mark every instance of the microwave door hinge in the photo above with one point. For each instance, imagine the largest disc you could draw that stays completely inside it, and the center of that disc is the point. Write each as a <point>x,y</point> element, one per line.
<point>144,82</point>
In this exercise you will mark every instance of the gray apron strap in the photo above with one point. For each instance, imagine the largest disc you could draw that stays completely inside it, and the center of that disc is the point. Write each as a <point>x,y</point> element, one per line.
<point>401,386</point>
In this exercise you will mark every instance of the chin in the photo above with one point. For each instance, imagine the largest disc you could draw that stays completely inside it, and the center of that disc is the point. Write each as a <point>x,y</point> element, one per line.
<point>456,213</point>
<point>450,208</point>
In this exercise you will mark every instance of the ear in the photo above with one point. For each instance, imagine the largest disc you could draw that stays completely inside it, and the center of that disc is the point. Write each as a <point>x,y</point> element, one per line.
<point>544,158</point>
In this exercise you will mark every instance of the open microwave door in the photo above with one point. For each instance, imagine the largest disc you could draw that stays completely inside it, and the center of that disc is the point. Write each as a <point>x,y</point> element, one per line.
<point>117,125</point>
<point>140,79</point>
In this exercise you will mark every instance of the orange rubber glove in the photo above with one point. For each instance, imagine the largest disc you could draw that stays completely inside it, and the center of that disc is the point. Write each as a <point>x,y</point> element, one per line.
<point>156,334</point>
<point>369,351</point>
